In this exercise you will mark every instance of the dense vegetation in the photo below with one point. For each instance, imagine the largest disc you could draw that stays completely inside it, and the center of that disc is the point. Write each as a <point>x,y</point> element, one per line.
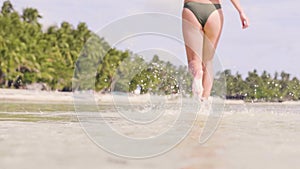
<point>264,87</point>
<point>31,55</point>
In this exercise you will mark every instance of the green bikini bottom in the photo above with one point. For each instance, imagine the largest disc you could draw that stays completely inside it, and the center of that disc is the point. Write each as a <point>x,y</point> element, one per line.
<point>202,11</point>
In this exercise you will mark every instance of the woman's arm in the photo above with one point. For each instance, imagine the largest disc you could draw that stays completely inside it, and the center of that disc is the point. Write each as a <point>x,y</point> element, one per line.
<point>243,17</point>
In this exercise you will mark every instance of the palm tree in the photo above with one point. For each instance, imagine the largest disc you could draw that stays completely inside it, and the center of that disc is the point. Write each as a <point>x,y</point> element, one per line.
<point>31,16</point>
<point>7,8</point>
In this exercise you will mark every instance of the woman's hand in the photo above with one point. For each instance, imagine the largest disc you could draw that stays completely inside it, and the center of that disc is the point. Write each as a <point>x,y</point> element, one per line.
<point>244,20</point>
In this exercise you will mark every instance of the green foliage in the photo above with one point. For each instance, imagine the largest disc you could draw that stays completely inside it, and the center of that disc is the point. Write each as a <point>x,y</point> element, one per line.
<point>262,87</point>
<point>62,56</point>
<point>157,76</point>
<point>30,55</point>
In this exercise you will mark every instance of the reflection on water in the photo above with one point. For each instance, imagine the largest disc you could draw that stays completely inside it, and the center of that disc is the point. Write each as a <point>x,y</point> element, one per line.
<point>249,136</point>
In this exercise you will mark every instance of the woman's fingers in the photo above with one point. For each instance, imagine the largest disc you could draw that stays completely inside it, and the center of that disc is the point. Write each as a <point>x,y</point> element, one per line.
<point>245,21</point>
<point>245,24</point>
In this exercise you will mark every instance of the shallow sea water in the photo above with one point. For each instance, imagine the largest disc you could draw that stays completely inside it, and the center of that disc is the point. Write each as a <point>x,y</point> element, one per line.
<point>249,136</point>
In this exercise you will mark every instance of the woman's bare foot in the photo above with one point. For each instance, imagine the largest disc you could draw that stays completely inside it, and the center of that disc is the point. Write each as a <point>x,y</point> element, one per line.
<point>197,88</point>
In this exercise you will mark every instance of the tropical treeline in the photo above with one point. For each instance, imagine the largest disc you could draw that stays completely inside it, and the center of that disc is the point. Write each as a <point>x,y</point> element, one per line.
<point>67,57</point>
<point>262,87</point>
<point>31,54</point>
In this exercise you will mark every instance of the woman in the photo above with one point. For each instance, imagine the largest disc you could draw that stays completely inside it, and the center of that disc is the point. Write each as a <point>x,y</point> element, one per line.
<point>202,26</point>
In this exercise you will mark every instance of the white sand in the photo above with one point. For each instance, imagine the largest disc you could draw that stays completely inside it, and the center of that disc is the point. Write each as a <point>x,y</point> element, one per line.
<point>26,145</point>
<point>242,141</point>
<point>54,96</point>
<point>250,136</point>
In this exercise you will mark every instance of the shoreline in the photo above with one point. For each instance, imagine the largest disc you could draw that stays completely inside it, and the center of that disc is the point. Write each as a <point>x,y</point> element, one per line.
<point>36,96</point>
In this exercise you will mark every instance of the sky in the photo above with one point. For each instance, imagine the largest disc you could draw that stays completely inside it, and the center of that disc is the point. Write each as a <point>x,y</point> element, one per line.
<point>270,43</point>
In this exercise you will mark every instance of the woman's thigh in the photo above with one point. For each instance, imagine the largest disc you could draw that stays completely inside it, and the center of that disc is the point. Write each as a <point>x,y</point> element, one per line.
<point>212,33</point>
<point>193,35</point>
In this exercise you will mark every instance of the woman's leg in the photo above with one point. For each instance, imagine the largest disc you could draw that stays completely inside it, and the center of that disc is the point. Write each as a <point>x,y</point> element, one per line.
<point>193,37</point>
<point>212,32</point>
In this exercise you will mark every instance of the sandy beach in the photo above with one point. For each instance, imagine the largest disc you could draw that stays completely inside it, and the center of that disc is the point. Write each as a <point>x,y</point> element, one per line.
<point>55,96</point>
<point>41,130</point>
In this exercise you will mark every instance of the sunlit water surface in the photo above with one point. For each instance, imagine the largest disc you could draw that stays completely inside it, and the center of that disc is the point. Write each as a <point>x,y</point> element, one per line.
<point>249,136</point>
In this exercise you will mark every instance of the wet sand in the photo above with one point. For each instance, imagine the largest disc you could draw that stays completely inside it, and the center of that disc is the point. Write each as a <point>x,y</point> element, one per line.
<point>250,136</point>
<point>33,145</point>
<point>248,141</point>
